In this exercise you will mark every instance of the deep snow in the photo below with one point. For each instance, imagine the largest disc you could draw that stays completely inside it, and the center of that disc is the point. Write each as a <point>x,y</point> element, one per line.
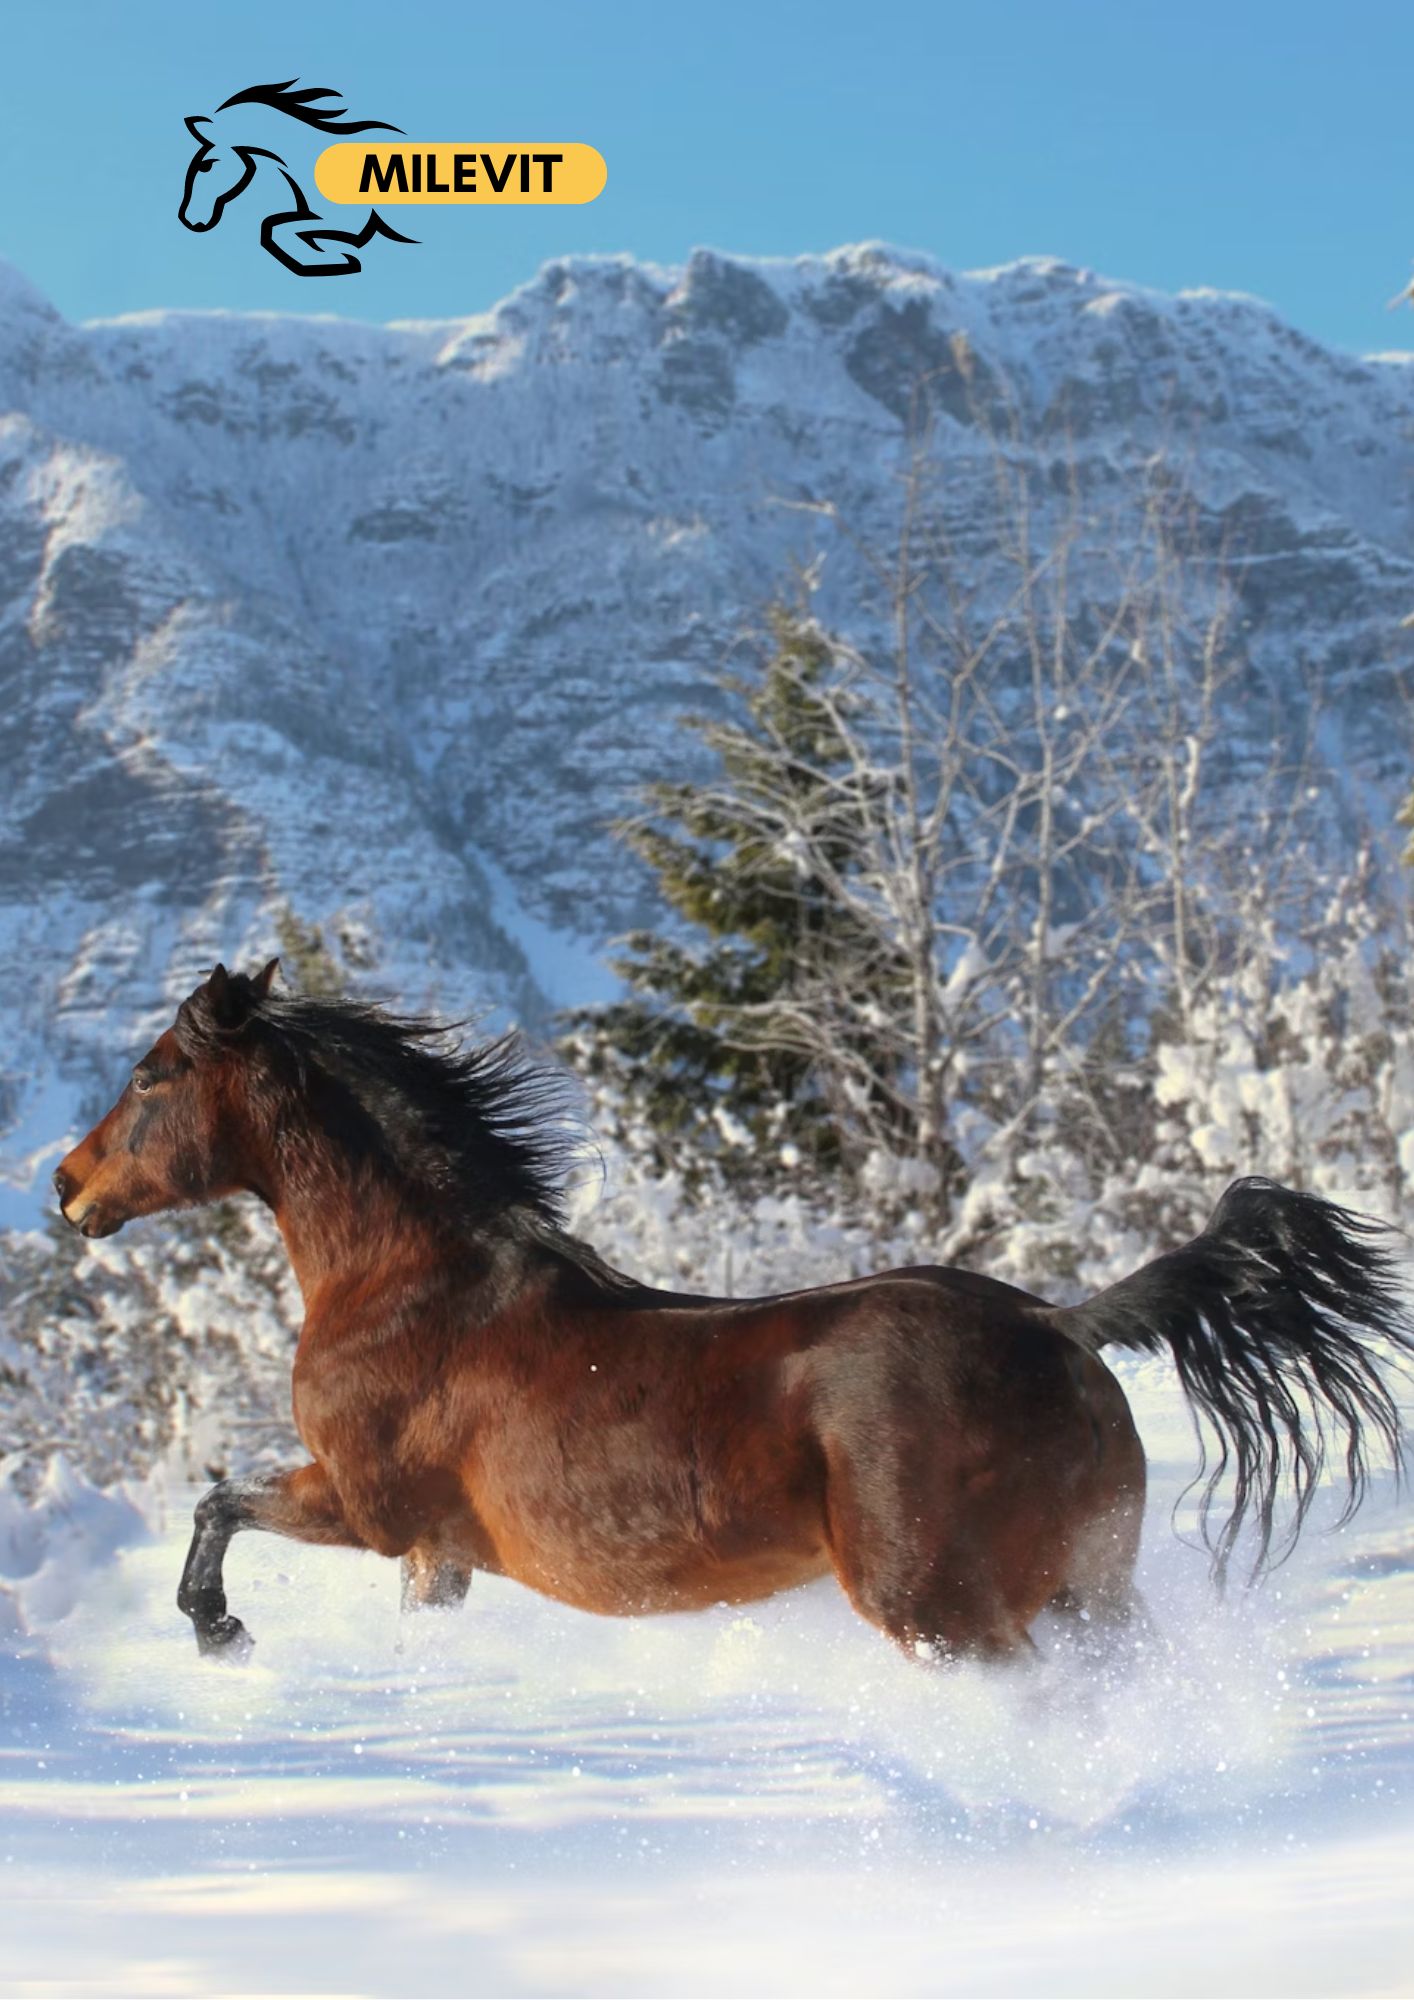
<point>518,1798</point>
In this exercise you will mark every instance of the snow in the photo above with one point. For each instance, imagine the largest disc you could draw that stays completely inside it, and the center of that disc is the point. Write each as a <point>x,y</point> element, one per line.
<point>519,1798</point>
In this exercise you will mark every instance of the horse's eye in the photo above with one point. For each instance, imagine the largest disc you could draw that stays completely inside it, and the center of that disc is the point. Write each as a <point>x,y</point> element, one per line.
<point>142,1083</point>
<point>205,166</point>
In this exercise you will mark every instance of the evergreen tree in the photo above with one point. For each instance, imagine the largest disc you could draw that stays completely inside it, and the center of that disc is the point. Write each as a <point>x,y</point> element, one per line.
<point>710,1047</point>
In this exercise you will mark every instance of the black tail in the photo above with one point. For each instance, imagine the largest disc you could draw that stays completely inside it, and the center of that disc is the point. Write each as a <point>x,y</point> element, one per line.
<point>1267,1314</point>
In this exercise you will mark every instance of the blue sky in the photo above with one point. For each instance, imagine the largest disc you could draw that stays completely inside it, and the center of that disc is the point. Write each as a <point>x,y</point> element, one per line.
<point>1264,148</point>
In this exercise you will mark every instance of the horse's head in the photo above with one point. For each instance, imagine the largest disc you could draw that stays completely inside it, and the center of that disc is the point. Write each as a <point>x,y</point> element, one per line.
<point>216,174</point>
<point>176,1135</point>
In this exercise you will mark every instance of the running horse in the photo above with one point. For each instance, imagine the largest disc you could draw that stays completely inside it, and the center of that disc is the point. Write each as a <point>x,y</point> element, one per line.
<point>477,1389</point>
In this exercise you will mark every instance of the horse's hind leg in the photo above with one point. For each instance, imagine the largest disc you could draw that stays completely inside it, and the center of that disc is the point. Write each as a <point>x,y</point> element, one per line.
<point>1099,1598</point>
<point>931,1570</point>
<point>432,1579</point>
<point>300,1504</point>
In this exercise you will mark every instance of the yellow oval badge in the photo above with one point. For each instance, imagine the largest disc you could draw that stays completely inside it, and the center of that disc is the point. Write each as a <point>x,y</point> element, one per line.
<point>427,172</point>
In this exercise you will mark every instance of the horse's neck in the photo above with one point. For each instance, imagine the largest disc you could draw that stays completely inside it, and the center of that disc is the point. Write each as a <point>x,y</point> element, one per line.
<point>354,1224</point>
<point>352,1231</point>
<point>339,1241</point>
<point>342,1218</point>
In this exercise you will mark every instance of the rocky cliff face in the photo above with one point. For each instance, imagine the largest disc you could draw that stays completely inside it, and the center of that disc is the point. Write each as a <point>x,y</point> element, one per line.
<point>385,622</point>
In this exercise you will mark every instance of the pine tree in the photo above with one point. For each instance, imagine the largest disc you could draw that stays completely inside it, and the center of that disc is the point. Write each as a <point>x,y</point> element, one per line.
<point>708,1047</point>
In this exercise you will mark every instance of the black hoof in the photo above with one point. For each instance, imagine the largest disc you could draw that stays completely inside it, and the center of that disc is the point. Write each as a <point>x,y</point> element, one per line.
<point>225,1637</point>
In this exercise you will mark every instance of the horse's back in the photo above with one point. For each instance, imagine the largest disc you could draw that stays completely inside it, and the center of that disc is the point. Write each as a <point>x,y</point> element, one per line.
<point>945,1338</point>
<point>940,1277</point>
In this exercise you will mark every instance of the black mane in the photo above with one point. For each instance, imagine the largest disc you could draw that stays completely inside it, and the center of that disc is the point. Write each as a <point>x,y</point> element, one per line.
<point>302,104</point>
<point>480,1128</point>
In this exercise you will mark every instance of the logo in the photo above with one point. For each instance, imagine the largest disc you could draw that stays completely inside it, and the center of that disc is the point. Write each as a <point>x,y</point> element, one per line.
<point>244,144</point>
<point>294,232</point>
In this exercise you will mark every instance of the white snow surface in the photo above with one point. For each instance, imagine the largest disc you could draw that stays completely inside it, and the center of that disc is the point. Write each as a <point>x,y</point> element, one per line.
<point>518,1798</point>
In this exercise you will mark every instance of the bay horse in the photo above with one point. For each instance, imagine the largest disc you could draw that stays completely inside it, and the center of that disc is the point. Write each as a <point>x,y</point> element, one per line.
<point>477,1389</point>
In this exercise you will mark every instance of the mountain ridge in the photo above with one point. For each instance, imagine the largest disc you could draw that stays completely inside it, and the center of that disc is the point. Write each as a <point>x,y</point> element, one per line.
<point>385,622</point>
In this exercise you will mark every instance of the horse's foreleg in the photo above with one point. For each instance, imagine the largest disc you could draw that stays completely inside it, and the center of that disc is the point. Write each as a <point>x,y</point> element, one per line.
<point>300,1504</point>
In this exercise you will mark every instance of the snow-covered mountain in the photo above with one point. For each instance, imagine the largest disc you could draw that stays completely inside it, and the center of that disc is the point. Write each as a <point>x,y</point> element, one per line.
<point>384,623</point>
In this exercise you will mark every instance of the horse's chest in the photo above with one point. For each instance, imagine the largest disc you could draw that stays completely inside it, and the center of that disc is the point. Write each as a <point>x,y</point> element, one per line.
<point>318,1403</point>
<point>351,1402</point>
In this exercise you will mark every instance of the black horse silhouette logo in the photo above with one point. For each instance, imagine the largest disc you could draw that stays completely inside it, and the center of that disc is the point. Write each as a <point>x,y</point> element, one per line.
<point>226,162</point>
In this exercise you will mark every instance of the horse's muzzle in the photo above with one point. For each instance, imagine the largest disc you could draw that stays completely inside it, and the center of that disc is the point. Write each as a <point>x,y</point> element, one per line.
<point>88,1218</point>
<point>94,1222</point>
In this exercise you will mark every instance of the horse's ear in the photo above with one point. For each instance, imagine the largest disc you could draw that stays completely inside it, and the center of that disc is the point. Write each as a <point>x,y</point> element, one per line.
<point>193,123</point>
<point>264,979</point>
<point>227,1010</point>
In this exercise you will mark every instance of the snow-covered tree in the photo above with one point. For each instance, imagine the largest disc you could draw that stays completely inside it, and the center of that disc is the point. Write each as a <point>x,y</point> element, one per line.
<point>711,1044</point>
<point>929,870</point>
